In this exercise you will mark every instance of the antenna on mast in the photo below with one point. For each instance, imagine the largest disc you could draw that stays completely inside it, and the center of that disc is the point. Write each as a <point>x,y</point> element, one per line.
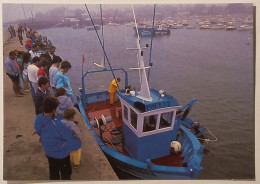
<point>144,93</point>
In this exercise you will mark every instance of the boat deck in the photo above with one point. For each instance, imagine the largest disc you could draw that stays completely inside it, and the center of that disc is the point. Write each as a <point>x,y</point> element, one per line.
<point>115,139</point>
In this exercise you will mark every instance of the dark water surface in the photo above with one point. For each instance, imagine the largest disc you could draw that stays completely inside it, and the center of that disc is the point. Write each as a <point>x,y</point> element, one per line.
<point>214,66</point>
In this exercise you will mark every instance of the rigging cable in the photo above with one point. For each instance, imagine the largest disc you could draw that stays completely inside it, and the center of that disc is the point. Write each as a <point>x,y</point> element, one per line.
<point>150,56</point>
<point>102,28</point>
<point>101,45</point>
<point>24,13</point>
<point>31,8</point>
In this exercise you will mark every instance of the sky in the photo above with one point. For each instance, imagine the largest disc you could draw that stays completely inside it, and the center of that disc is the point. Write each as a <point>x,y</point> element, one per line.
<point>13,12</point>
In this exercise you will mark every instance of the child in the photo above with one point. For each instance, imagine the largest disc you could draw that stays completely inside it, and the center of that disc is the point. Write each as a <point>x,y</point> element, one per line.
<point>65,102</point>
<point>28,44</point>
<point>75,154</point>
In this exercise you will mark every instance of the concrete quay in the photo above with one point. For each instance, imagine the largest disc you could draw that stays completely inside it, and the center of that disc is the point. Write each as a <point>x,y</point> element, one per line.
<point>23,156</point>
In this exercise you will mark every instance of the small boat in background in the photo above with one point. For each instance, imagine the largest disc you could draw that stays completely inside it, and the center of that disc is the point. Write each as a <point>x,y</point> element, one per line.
<point>230,28</point>
<point>205,26</point>
<point>231,23</point>
<point>113,24</point>
<point>78,26</point>
<point>159,29</point>
<point>185,22</point>
<point>90,28</point>
<point>244,28</point>
<point>175,26</point>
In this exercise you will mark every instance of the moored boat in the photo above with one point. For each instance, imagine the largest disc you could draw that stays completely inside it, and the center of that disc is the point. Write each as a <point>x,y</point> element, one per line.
<point>230,28</point>
<point>147,30</point>
<point>205,26</point>
<point>113,24</point>
<point>175,26</point>
<point>137,139</point>
<point>147,134</point>
<point>185,22</point>
<point>90,28</point>
<point>244,28</point>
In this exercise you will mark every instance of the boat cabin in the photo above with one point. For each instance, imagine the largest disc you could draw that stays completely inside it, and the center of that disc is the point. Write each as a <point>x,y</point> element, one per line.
<point>149,126</point>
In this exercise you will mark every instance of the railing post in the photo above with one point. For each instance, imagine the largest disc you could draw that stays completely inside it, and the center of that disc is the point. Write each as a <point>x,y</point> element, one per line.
<point>84,100</point>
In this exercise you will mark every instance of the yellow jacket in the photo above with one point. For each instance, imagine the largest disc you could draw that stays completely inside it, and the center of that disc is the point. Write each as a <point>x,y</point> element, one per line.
<point>113,86</point>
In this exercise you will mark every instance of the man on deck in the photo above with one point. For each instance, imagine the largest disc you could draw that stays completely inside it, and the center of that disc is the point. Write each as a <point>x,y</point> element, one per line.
<point>112,90</point>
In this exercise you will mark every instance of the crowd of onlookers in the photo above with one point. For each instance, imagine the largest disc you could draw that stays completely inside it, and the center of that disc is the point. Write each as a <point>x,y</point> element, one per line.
<point>43,73</point>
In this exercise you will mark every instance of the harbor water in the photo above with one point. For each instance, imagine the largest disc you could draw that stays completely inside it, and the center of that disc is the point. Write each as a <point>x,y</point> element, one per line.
<point>214,66</point>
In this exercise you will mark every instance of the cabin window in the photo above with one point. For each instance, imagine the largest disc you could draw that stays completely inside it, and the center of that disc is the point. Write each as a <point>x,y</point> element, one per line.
<point>133,118</point>
<point>126,112</point>
<point>150,123</point>
<point>166,120</point>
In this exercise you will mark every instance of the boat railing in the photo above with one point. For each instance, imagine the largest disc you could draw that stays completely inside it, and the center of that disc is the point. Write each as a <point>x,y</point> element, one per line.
<point>191,151</point>
<point>84,94</point>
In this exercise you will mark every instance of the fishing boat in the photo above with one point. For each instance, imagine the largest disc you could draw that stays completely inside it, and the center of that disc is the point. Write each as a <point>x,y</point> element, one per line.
<point>159,29</point>
<point>230,28</point>
<point>113,24</point>
<point>147,134</point>
<point>244,28</point>
<point>91,28</point>
<point>175,26</point>
<point>185,22</point>
<point>205,26</point>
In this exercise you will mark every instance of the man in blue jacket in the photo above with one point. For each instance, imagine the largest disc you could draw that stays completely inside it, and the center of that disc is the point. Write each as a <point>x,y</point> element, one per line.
<point>56,140</point>
<point>12,70</point>
<point>62,80</point>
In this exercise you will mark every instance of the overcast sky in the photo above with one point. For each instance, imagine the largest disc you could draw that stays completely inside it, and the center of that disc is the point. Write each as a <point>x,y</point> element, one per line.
<point>13,12</point>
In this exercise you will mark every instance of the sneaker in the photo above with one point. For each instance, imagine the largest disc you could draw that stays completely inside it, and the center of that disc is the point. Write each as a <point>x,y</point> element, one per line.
<point>19,95</point>
<point>26,90</point>
<point>75,166</point>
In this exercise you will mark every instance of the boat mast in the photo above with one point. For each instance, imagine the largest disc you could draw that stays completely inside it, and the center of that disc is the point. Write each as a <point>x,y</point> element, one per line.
<point>144,93</point>
<point>24,14</point>
<point>151,45</point>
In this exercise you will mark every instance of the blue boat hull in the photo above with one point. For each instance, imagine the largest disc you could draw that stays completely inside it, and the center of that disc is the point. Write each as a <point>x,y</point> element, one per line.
<point>130,170</point>
<point>134,172</point>
<point>141,170</point>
